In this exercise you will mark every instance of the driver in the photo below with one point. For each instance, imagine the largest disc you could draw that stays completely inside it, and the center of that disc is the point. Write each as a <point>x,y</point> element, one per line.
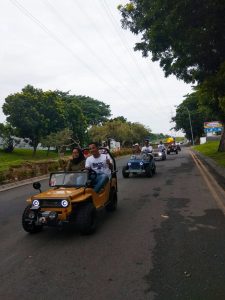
<point>147,147</point>
<point>161,146</point>
<point>101,164</point>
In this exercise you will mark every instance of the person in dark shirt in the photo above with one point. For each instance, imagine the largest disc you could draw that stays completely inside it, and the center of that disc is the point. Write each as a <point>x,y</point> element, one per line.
<point>77,162</point>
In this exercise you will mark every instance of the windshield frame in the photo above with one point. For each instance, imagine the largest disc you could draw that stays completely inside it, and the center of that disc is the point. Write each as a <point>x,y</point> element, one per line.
<point>67,179</point>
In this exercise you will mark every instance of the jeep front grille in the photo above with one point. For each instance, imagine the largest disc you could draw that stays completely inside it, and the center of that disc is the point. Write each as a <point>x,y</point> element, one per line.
<point>45,203</point>
<point>135,165</point>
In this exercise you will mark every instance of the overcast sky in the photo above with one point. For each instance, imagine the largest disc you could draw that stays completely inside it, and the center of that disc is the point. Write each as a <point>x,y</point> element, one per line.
<point>79,46</point>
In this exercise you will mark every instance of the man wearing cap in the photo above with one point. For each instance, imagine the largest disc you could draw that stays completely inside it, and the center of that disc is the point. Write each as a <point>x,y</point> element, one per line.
<point>147,148</point>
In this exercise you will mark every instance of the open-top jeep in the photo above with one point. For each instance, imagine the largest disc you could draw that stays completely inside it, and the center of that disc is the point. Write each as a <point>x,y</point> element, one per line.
<point>172,148</point>
<point>143,163</point>
<point>71,199</point>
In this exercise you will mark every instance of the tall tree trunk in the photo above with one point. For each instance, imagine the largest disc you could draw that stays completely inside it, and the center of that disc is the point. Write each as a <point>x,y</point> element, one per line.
<point>222,141</point>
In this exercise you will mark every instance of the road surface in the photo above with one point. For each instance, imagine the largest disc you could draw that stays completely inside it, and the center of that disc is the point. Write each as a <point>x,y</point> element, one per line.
<point>165,241</point>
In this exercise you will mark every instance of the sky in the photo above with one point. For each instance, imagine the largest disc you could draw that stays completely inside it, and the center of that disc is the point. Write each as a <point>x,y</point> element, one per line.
<point>79,46</point>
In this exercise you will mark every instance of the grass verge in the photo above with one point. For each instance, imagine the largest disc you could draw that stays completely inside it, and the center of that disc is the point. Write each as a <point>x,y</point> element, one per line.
<point>19,156</point>
<point>210,149</point>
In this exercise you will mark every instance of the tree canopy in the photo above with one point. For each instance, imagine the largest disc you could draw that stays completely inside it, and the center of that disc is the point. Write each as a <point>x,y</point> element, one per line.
<point>188,39</point>
<point>126,133</point>
<point>186,36</point>
<point>37,114</point>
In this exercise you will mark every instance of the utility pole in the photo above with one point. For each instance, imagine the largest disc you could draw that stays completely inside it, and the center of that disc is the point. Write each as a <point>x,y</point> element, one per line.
<point>190,126</point>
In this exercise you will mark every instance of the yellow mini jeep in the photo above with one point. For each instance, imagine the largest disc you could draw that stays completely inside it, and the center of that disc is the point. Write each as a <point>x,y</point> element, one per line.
<point>71,199</point>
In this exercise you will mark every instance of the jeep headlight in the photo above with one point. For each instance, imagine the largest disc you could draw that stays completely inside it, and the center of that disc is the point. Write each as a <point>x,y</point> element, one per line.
<point>129,164</point>
<point>160,153</point>
<point>141,163</point>
<point>36,202</point>
<point>64,203</point>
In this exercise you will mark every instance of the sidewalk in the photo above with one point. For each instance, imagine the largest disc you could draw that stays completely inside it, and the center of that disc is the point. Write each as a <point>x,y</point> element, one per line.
<point>216,170</point>
<point>8,186</point>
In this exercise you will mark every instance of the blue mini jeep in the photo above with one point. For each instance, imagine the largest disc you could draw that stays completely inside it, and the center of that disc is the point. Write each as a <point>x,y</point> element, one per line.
<point>140,164</point>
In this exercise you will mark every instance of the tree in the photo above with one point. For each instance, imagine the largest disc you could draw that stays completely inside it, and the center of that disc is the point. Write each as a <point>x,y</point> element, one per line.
<point>61,140</point>
<point>7,133</point>
<point>34,113</point>
<point>198,114</point>
<point>75,121</point>
<point>186,36</point>
<point>126,133</point>
<point>94,111</point>
<point>188,39</point>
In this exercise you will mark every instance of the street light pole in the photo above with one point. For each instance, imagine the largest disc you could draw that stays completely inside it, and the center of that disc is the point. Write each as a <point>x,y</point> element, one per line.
<point>190,126</point>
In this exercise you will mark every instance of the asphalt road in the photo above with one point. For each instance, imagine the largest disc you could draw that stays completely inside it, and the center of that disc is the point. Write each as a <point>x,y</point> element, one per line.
<point>165,241</point>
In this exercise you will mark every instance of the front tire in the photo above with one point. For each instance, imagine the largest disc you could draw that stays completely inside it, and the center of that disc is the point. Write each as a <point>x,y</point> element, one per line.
<point>148,171</point>
<point>86,219</point>
<point>125,174</point>
<point>112,204</point>
<point>30,226</point>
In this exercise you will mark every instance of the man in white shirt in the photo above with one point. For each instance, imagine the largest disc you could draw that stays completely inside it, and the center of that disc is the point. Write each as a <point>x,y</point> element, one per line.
<point>101,164</point>
<point>161,146</point>
<point>147,147</point>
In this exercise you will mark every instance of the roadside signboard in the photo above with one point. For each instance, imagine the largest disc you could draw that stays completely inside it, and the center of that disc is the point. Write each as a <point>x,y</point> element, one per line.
<point>215,126</point>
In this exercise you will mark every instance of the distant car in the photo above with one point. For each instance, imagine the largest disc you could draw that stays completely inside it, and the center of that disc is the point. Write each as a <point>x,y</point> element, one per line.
<point>172,148</point>
<point>158,154</point>
<point>140,164</point>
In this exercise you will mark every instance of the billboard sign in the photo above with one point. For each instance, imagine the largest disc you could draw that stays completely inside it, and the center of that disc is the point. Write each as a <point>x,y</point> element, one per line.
<point>215,126</point>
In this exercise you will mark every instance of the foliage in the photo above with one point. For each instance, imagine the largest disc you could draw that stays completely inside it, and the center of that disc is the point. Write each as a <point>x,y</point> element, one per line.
<point>94,111</point>
<point>197,115</point>
<point>19,156</point>
<point>126,133</point>
<point>186,36</point>
<point>210,149</point>
<point>61,140</point>
<point>34,113</point>
<point>7,133</point>
<point>188,39</point>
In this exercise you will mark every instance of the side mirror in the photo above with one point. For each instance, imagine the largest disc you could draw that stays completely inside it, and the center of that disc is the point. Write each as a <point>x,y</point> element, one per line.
<point>37,186</point>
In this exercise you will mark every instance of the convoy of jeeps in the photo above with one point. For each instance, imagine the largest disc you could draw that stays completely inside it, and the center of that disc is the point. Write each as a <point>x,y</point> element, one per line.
<point>71,198</point>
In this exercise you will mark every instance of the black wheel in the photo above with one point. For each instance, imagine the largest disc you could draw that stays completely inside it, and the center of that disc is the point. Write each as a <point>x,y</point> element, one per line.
<point>148,171</point>
<point>86,218</point>
<point>176,152</point>
<point>168,152</point>
<point>112,204</point>
<point>29,224</point>
<point>154,170</point>
<point>125,174</point>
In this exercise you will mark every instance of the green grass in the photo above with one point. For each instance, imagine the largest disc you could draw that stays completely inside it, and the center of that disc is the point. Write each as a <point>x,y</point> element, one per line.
<point>210,149</point>
<point>19,156</point>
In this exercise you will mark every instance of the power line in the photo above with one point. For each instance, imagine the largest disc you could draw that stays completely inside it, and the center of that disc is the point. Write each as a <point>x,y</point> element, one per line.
<point>53,36</point>
<point>50,33</point>
<point>82,41</point>
<point>125,43</point>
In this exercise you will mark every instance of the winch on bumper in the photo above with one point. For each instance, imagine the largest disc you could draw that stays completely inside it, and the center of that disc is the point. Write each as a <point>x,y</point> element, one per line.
<point>47,212</point>
<point>46,217</point>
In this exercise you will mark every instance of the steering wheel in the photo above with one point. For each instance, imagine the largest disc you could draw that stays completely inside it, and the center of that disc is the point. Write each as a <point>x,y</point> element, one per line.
<point>92,174</point>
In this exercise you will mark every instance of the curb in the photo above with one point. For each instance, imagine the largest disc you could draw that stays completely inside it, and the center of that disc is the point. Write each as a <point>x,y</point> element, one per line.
<point>8,186</point>
<point>217,171</point>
